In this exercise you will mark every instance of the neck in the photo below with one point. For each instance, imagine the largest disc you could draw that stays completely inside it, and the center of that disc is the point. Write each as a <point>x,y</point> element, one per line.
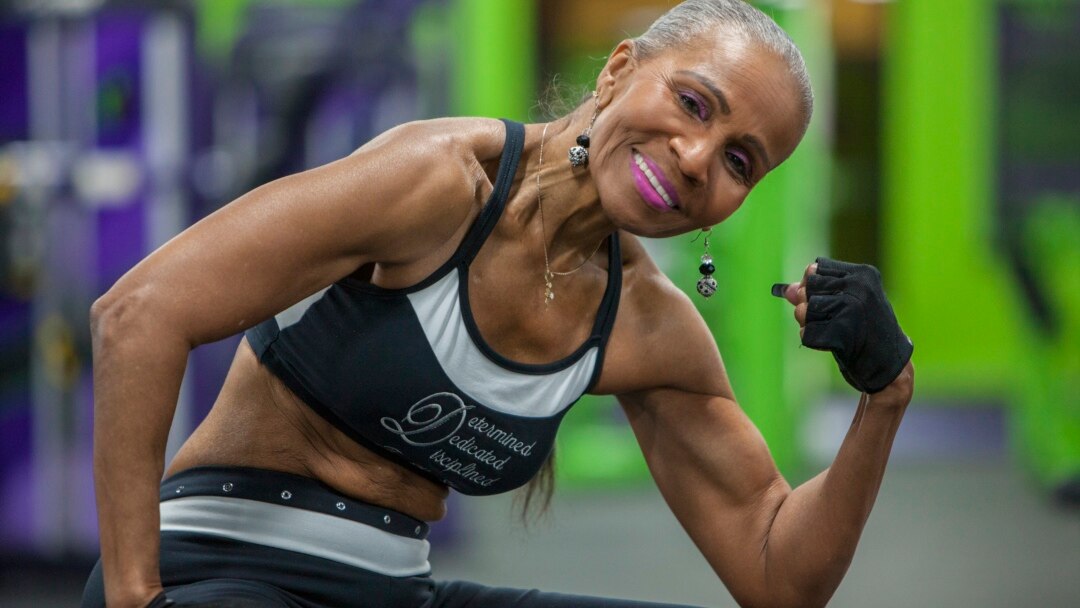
<point>574,223</point>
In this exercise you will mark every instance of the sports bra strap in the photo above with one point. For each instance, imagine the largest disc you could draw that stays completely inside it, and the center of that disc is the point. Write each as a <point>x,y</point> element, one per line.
<point>489,216</point>
<point>605,316</point>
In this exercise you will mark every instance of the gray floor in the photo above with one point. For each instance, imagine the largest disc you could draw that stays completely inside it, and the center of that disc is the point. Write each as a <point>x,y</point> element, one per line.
<point>952,529</point>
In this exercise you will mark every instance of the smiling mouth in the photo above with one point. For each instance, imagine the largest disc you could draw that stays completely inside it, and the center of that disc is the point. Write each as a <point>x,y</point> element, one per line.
<point>654,181</point>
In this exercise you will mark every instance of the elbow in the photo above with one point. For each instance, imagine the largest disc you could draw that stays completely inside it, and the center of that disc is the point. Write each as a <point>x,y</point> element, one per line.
<point>809,590</point>
<point>123,316</point>
<point>98,311</point>
<point>793,573</point>
<point>109,313</point>
<point>807,598</point>
<point>788,598</point>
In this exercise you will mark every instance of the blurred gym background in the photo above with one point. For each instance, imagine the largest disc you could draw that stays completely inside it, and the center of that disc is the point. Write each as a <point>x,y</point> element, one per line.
<point>945,149</point>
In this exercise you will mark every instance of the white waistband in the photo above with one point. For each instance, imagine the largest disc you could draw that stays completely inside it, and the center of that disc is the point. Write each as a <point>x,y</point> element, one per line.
<point>292,529</point>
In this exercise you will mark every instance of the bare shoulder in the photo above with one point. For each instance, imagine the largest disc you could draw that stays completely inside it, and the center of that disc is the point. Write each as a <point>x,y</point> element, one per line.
<point>659,339</point>
<point>446,138</point>
<point>431,170</point>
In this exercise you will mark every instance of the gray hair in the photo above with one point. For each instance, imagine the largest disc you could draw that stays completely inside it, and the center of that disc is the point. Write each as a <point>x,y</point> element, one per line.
<point>691,19</point>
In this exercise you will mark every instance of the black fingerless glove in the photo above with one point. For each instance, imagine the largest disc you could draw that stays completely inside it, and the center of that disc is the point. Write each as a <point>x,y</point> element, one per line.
<point>160,601</point>
<point>847,313</point>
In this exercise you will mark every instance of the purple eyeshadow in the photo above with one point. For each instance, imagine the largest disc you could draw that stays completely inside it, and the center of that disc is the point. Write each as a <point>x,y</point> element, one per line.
<point>703,108</point>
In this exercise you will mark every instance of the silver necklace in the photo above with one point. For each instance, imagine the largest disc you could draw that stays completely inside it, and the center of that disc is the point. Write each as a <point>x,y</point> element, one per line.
<point>549,274</point>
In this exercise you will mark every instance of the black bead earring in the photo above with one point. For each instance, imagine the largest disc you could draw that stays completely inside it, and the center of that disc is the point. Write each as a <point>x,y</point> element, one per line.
<point>579,154</point>
<point>706,285</point>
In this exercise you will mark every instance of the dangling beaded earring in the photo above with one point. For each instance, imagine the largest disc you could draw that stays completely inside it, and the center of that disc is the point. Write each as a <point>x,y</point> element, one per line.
<point>706,285</point>
<point>579,154</point>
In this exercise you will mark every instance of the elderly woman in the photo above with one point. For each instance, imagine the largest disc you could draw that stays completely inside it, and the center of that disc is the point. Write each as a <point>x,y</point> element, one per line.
<point>482,276</point>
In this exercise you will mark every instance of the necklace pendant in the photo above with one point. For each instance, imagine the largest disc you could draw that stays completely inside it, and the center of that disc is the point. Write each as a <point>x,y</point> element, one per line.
<point>549,292</point>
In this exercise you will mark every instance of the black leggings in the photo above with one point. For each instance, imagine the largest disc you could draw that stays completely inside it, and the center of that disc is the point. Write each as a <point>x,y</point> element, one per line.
<point>224,573</point>
<point>208,568</point>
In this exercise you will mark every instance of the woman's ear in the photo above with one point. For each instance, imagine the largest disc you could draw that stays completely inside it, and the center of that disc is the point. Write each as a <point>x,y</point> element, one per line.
<point>620,64</point>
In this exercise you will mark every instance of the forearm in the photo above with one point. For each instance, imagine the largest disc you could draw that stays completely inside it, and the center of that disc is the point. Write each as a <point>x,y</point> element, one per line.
<point>817,526</point>
<point>137,375</point>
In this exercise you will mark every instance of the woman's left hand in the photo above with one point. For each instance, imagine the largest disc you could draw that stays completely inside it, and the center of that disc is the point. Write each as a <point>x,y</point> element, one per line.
<point>842,308</point>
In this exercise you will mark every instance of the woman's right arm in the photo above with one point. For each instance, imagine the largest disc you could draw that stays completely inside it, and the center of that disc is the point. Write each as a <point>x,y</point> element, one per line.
<point>395,201</point>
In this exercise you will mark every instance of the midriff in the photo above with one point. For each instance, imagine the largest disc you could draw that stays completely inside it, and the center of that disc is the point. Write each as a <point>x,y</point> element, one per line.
<point>258,422</point>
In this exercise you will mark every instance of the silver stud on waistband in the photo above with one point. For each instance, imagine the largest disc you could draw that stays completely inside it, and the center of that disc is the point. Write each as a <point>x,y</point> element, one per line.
<point>227,486</point>
<point>340,506</point>
<point>417,531</point>
<point>179,489</point>
<point>286,495</point>
<point>386,519</point>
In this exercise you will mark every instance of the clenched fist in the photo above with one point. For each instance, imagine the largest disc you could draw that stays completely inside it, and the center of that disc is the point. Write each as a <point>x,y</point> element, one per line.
<point>842,308</point>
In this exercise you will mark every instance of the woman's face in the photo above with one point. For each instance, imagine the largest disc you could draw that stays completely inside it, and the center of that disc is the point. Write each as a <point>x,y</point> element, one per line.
<point>683,136</point>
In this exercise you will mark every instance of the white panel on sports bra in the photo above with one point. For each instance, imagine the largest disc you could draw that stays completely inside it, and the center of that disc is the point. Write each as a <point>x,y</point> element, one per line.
<point>438,308</point>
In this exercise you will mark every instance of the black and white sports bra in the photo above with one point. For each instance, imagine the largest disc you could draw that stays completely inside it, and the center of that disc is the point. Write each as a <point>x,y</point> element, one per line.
<point>405,372</point>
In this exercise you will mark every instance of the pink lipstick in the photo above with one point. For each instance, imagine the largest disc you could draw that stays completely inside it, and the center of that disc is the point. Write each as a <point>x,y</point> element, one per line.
<point>652,184</point>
